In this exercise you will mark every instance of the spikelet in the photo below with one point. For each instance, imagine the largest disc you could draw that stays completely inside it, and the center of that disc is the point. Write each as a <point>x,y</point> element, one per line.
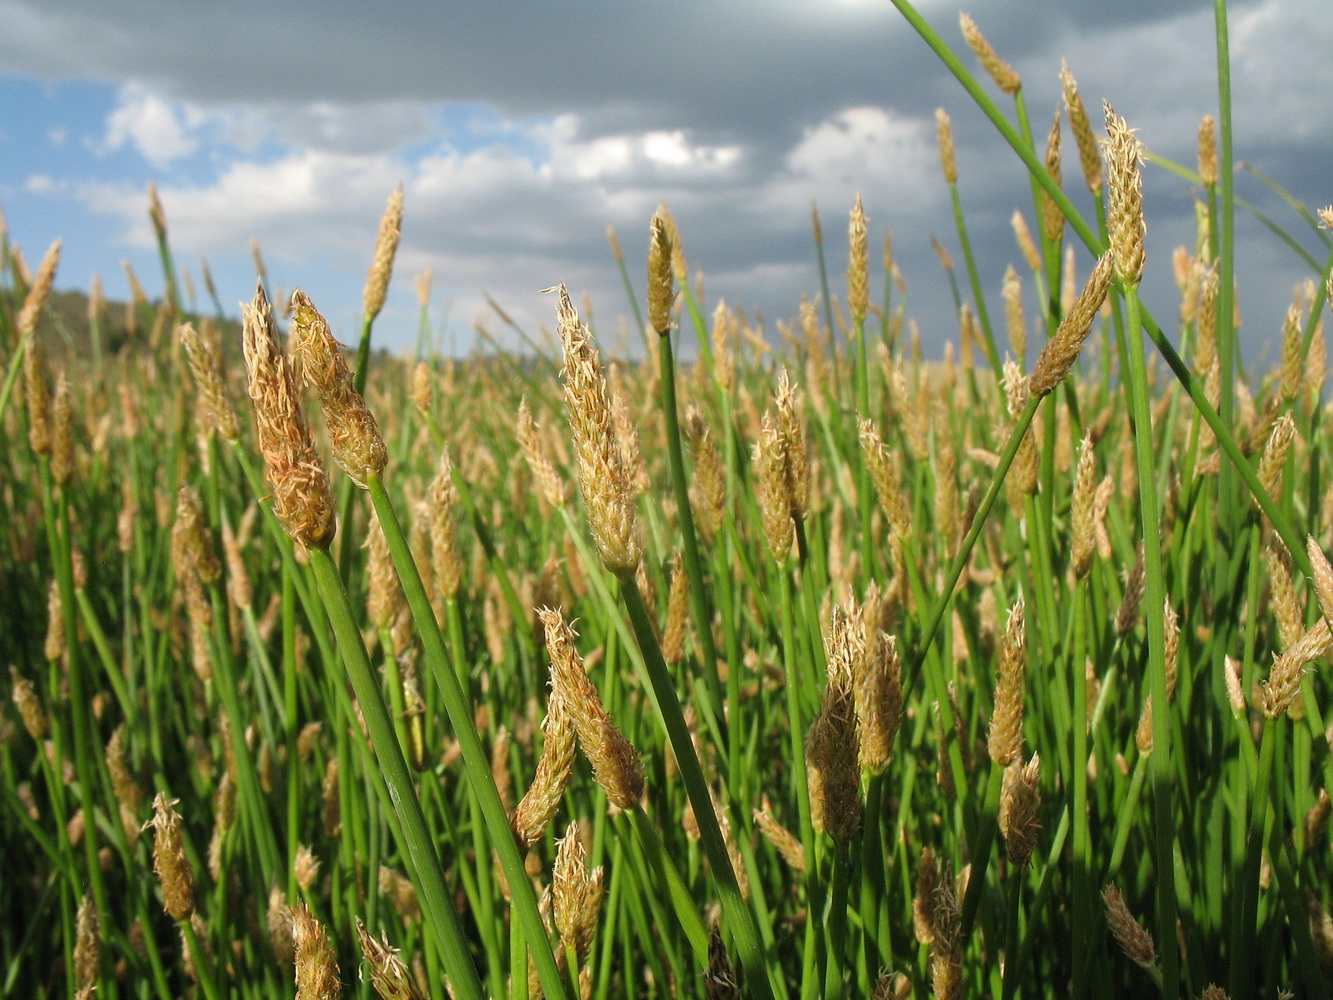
<point>1089,156</point>
<point>192,546</point>
<point>661,290</point>
<point>1083,511</point>
<point>316,961</point>
<point>206,370</point>
<point>615,765</point>
<point>772,489</point>
<point>709,489</point>
<point>923,899</point>
<point>858,287</point>
<point>553,489</point>
<point>62,434</point>
<point>302,500</point>
<point>831,746</point>
<point>678,611</point>
<point>946,953</point>
<point>1000,71</point>
<point>1052,218</point>
<point>1062,350</point>
<point>602,476</point>
<point>1015,323</point>
<point>1134,940</point>
<point>29,705</point>
<point>1289,669</point>
<point>358,446</point>
<point>879,699</point>
<point>576,894</point>
<point>786,843</point>
<point>1019,801</point>
<point>721,982</point>
<point>381,264</point>
<point>446,557</point>
<point>539,804</point>
<point>389,974</point>
<point>1005,742</point>
<point>1124,213</point>
<point>1022,479</point>
<point>944,134</point>
<point>87,946</point>
<point>1322,575</point>
<point>1208,150</point>
<point>1026,245</point>
<point>38,292</point>
<point>173,870</point>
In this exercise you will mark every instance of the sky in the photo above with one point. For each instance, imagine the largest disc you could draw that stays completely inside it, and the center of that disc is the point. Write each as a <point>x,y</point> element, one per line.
<point>521,131</point>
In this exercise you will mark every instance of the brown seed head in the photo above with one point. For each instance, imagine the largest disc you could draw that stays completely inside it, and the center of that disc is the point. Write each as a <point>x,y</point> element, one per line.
<point>946,953</point>
<point>1322,574</point>
<point>615,764</point>
<point>62,434</point>
<point>944,133</point>
<point>554,490</point>
<point>38,395</point>
<point>29,705</point>
<point>577,895</point>
<point>858,281</point>
<point>831,747</point>
<point>1000,71</point>
<point>879,699</point>
<point>602,477</point>
<point>316,961</point>
<point>445,554</point>
<point>884,474</point>
<point>87,946</point>
<point>539,805</point>
<point>1124,213</point>
<point>1274,459</point>
<point>1208,150</point>
<point>389,974</point>
<point>1062,350</point>
<point>1089,156</point>
<point>1081,518</point>
<point>773,489</point>
<point>1020,799</point>
<point>1006,726</point>
<point>357,444</point>
<point>710,483</point>
<point>206,368</point>
<point>1013,313</point>
<point>381,264</point>
<point>1027,246</point>
<point>923,900</point>
<point>38,292</point>
<point>661,289</point>
<point>1134,940</point>
<point>191,542</point>
<point>786,843</point>
<point>173,870</point>
<point>302,500</point>
<point>1289,669</point>
<point>678,612</point>
<point>1052,219</point>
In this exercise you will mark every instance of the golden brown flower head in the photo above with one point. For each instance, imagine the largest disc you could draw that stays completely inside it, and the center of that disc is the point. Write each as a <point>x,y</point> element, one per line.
<point>173,870</point>
<point>858,277</point>
<point>661,289</point>
<point>316,961</point>
<point>62,433</point>
<point>944,133</point>
<point>1124,213</point>
<point>1000,71</point>
<point>615,764</point>
<point>302,500</point>
<point>191,542</point>
<point>603,479</point>
<point>206,369</point>
<point>1208,150</point>
<point>357,444</point>
<point>389,974</point>
<point>539,805</point>
<point>1089,157</point>
<point>1006,726</point>
<point>1019,801</point>
<point>1062,350</point>
<point>29,705</point>
<point>1134,940</point>
<point>381,264</point>
<point>577,894</point>
<point>832,747</point>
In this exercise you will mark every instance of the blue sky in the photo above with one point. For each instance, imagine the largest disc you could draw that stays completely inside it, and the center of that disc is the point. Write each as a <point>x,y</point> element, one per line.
<point>520,132</point>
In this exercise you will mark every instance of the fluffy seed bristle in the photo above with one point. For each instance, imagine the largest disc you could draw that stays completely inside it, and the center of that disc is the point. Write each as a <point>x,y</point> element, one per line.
<point>316,961</point>
<point>389,974</point>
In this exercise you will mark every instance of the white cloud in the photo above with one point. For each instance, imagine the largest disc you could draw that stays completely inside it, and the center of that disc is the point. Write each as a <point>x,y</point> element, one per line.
<point>160,130</point>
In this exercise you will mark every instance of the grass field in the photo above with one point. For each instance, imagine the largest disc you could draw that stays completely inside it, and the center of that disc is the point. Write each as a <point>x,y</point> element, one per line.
<point>805,668</point>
